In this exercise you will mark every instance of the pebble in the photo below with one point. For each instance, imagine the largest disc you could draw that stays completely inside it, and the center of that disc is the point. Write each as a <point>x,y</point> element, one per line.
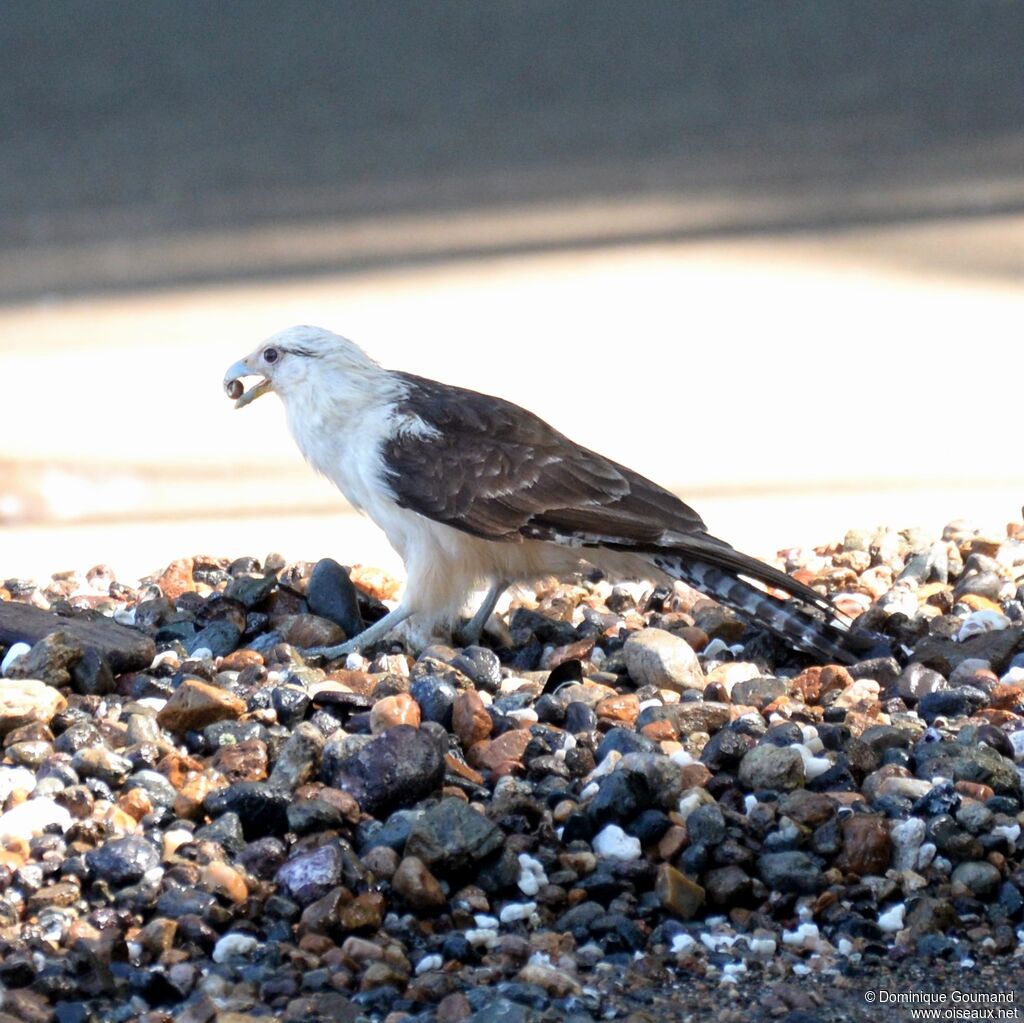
<point>123,860</point>
<point>654,657</point>
<point>331,595</point>
<point>16,650</point>
<point>772,767</point>
<point>866,845</point>
<point>400,709</point>
<point>401,766</point>
<point>196,704</point>
<point>26,701</point>
<point>678,894</point>
<point>540,826</point>
<point>32,818</point>
<point>532,876</point>
<point>414,882</point>
<point>612,843</point>
<point>982,879</point>
<point>979,622</point>
<point>234,946</point>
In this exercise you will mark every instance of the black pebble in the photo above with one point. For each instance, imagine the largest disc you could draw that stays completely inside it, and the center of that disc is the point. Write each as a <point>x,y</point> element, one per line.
<point>331,594</point>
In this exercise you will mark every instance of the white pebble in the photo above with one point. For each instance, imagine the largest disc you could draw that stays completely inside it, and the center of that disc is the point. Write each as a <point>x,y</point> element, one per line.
<point>845,946</point>
<point>428,963</point>
<point>32,817</point>
<point>762,946</point>
<point>813,766</point>
<point>486,936</point>
<point>891,921</point>
<point>12,778</point>
<point>926,855</point>
<point>517,911</point>
<point>485,920</point>
<point>907,837</point>
<point>531,875</point>
<point>749,802</point>
<point>978,622</point>
<point>1014,676</point>
<point>805,935</point>
<point>682,758</point>
<point>125,616</point>
<point>682,943</point>
<point>612,843</point>
<point>731,971</point>
<point>355,662</point>
<point>201,653</point>
<point>233,946</point>
<point>589,791</point>
<point>801,969</point>
<point>16,651</point>
<point>716,941</point>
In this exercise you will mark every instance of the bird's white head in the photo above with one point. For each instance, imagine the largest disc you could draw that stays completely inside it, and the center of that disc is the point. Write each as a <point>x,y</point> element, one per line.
<point>299,364</point>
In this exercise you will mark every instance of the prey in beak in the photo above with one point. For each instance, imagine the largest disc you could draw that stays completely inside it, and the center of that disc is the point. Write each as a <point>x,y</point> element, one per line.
<point>234,388</point>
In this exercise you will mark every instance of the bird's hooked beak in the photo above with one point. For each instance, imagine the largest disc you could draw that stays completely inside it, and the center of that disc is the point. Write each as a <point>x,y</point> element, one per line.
<point>233,386</point>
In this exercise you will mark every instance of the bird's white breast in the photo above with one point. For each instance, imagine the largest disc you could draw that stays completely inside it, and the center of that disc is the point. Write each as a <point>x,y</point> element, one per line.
<point>345,445</point>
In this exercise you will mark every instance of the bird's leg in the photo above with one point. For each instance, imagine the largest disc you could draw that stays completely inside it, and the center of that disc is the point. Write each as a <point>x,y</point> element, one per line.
<point>470,635</point>
<point>369,635</point>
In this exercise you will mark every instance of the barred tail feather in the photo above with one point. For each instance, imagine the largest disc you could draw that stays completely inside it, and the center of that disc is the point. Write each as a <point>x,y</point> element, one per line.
<point>824,639</point>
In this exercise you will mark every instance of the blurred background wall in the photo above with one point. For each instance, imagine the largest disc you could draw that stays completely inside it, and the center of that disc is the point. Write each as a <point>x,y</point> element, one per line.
<point>768,254</point>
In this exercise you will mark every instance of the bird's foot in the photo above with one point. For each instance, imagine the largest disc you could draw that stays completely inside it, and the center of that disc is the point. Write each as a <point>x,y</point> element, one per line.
<point>467,636</point>
<point>330,653</point>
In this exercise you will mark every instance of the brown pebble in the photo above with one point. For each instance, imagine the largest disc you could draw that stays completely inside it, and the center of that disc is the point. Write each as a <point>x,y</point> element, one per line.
<point>364,913</point>
<point>470,720</point>
<point>975,790</point>
<point>400,709</point>
<point>242,761</point>
<point>678,893</point>
<point>453,1008</point>
<point>177,579</point>
<point>195,704</point>
<point>414,882</point>
<point>619,709</point>
<point>866,846</point>
<point>222,879</point>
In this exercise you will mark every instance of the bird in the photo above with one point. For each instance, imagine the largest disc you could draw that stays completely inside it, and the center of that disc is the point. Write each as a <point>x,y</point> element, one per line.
<point>475,492</point>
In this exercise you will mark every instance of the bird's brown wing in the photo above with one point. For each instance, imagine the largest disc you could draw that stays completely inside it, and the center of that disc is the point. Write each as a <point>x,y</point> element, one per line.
<point>490,468</point>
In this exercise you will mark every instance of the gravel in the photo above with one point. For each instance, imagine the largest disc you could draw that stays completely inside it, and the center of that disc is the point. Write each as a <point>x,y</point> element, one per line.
<point>624,805</point>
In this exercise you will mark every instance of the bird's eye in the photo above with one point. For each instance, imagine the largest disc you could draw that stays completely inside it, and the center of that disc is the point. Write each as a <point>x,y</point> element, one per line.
<point>271,355</point>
